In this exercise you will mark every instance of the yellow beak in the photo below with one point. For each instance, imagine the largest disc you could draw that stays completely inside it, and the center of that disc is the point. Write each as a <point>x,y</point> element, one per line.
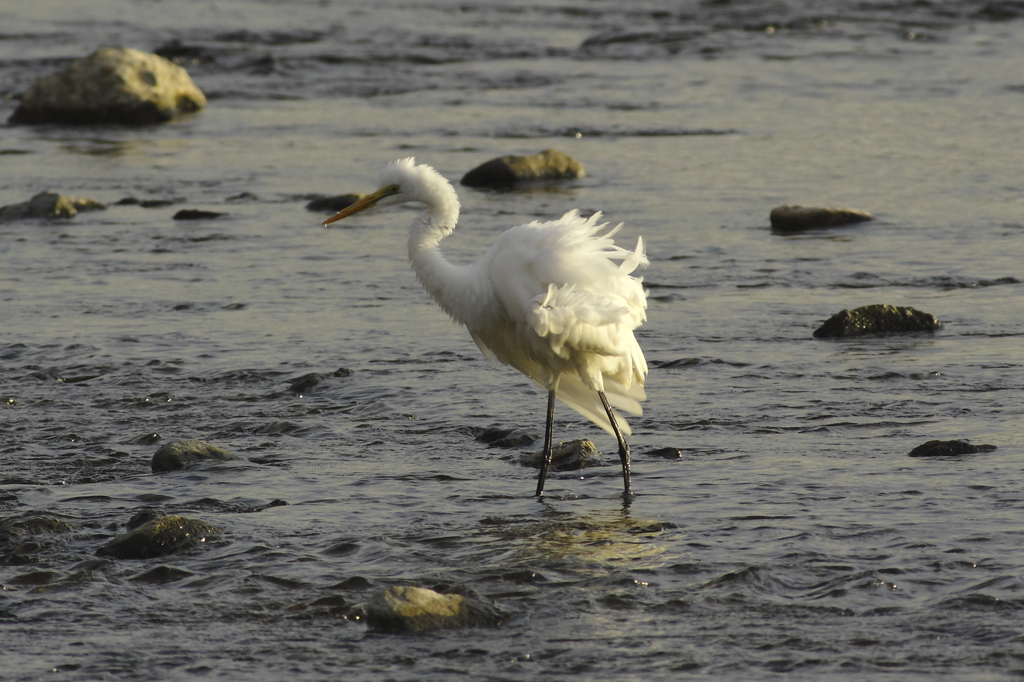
<point>369,201</point>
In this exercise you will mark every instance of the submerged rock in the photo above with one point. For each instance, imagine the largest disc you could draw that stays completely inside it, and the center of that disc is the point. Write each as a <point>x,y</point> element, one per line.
<point>793,218</point>
<point>23,537</point>
<point>505,171</point>
<point>939,448</point>
<point>308,381</point>
<point>112,85</point>
<point>14,528</point>
<point>567,456</point>
<point>159,537</point>
<point>48,205</point>
<point>332,204</point>
<point>181,454</point>
<point>143,517</point>
<point>505,438</point>
<point>196,214</point>
<point>159,575</point>
<point>877,319</point>
<point>418,609</point>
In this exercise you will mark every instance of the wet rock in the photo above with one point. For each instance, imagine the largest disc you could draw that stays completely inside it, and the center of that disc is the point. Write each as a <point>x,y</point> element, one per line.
<point>143,517</point>
<point>334,204</point>
<point>506,171</point>
<point>305,382</point>
<point>112,85</point>
<point>13,529</point>
<point>160,575</point>
<point>939,448</point>
<point>793,218</point>
<point>181,454</point>
<point>418,610</point>
<point>877,319</point>
<point>1004,10</point>
<point>148,203</point>
<point>196,214</point>
<point>146,438</point>
<point>23,537</point>
<point>356,582</point>
<point>567,456</point>
<point>33,578</point>
<point>178,52</point>
<point>48,205</point>
<point>646,37</point>
<point>505,438</point>
<point>308,381</point>
<point>159,537</point>
<point>666,453</point>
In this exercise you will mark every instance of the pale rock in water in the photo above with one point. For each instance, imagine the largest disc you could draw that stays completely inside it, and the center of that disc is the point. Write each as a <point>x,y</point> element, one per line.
<point>181,454</point>
<point>48,205</point>
<point>418,609</point>
<point>567,456</point>
<point>112,85</point>
<point>793,218</point>
<point>505,171</point>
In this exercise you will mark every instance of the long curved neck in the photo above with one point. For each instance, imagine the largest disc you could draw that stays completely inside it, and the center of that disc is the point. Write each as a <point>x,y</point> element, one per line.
<point>446,282</point>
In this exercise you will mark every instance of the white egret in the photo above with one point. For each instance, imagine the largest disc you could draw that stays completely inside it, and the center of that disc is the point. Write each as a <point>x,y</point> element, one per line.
<point>555,300</point>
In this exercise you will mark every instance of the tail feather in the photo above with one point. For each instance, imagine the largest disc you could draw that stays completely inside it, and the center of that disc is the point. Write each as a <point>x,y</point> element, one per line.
<point>584,400</point>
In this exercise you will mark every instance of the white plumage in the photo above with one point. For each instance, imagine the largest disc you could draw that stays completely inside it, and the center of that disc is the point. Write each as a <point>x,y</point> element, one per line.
<point>556,300</point>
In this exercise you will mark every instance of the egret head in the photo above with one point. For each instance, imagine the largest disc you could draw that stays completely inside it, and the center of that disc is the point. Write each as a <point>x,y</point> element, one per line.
<point>400,181</point>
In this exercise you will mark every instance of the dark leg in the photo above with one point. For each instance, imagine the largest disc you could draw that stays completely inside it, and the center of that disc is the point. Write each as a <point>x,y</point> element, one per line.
<point>623,448</point>
<point>546,462</point>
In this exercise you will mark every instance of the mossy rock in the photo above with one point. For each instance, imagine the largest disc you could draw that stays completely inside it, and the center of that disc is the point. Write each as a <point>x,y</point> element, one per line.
<point>877,319</point>
<point>567,456</point>
<point>48,205</point>
<point>111,86</point>
<point>182,454</point>
<point>419,610</point>
<point>795,218</point>
<point>159,537</point>
<point>946,448</point>
<point>506,171</point>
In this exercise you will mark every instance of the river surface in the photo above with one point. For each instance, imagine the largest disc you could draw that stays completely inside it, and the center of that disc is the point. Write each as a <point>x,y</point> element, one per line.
<point>779,526</point>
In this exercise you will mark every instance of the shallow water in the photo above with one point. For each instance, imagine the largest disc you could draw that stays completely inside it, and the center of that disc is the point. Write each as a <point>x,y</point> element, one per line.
<point>789,534</point>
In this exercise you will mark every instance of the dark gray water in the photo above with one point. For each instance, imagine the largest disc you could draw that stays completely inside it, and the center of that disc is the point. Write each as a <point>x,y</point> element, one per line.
<point>789,534</point>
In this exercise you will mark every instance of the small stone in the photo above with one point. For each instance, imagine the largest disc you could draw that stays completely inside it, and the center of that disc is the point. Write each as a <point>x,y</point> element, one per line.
<point>877,319</point>
<point>159,575</point>
<point>112,85</point>
<point>567,456</point>
<point>940,448</point>
<point>143,517</point>
<point>307,381</point>
<point>505,171</point>
<point>418,610</point>
<point>793,218</point>
<point>196,214</point>
<point>505,438</point>
<point>182,454</point>
<point>14,528</point>
<point>666,453</point>
<point>48,205</point>
<point>334,204</point>
<point>159,537</point>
